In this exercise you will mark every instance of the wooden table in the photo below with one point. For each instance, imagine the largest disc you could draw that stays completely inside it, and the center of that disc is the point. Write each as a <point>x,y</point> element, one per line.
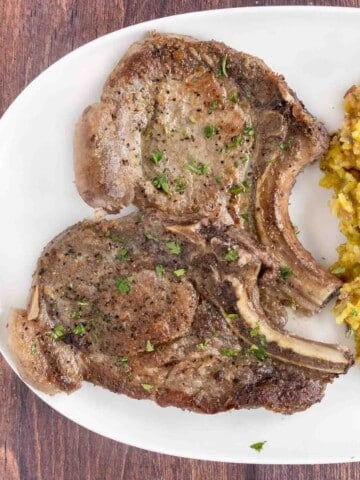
<point>36,443</point>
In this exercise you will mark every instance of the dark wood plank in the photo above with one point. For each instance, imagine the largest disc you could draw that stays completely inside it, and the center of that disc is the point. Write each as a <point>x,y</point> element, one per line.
<point>36,443</point>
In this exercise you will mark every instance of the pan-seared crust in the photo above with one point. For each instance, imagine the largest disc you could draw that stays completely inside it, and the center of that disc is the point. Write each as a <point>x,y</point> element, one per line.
<point>195,128</point>
<point>153,309</point>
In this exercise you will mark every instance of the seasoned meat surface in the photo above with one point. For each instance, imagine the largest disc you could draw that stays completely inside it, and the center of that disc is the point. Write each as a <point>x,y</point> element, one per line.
<point>196,129</point>
<point>166,311</point>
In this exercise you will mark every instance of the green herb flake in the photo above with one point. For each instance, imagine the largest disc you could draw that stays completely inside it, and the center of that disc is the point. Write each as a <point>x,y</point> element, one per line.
<point>258,446</point>
<point>283,146</point>
<point>258,352</point>
<point>218,180</point>
<point>149,347</point>
<point>232,316</point>
<point>160,270</point>
<point>235,141</point>
<point>245,216</point>
<point>355,312</point>
<point>122,361</point>
<point>192,119</point>
<point>150,236</point>
<point>114,237</point>
<point>123,285</point>
<point>174,247</point>
<point>233,97</point>
<point>179,272</point>
<point>213,106</point>
<point>180,185</point>
<point>76,314</point>
<point>147,387</point>
<point>209,131</point>
<point>245,159</point>
<point>285,273</point>
<point>237,189</point>
<point>248,131</point>
<point>122,254</point>
<point>231,255</point>
<point>202,345</point>
<point>223,71</point>
<point>156,157</point>
<point>254,332</point>
<point>198,168</point>
<point>79,329</point>
<point>161,182</point>
<point>33,349</point>
<point>338,271</point>
<point>58,332</point>
<point>229,352</point>
<point>82,303</point>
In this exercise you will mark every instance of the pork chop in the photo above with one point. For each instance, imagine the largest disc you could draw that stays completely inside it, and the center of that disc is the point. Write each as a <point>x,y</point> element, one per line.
<point>170,312</point>
<point>196,129</point>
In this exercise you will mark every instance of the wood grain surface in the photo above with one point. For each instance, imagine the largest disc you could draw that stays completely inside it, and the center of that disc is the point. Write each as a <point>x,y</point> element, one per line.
<point>36,443</point>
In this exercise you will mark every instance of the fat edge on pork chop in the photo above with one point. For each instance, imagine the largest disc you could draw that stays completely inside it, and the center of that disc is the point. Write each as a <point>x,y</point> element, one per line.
<point>164,311</point>
<point>197,129</point>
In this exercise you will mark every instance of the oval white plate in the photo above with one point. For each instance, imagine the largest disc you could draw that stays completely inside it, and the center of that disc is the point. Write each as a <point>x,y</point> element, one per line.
<point>318,51</point>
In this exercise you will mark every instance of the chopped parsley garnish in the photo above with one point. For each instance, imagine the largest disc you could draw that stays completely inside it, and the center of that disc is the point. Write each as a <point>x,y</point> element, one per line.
<point>248,131</point>
<point>258,352</point>
<point>198,167</point>
<point>160,270</point>
<point>79,329</point>
<point>233,97</point>
<point>213,106</point>
<point>179,272</point>
<point>218,180</point>
<point>83,303</point>
<point>156,157</point>
<point>245,159</point>
<point>174,247</point>
<point>149,347</point>
<point>258,446</point>
<point>223,66</point>
<point>33,349</point>
<point>209,131</point>
<point>283,146</point>
<point>338,271</point>
<point>202,345</point>
<point>245,216</point>
<point>229,352</point>
<point>231,255</point>
<point>58,332</point>
<point>285,273</point>
<point>114,237</point>
<point>161,182</point>
<point>147,387</point>
<point>150,236</point>
<point>122,254</point>
<point>355,312</point>
<point>123,361</point>
<point>237,189</point>
<point>232,316</point>
<point>76,314</point>
<point>255,333</point>
<point>180,185</point>
<point>235,142</point>
<point>123,285</point>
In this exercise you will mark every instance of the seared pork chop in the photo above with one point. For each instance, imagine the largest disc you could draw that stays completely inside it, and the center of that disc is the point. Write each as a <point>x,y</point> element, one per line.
<point>165,311</point>
<point>195,128</point>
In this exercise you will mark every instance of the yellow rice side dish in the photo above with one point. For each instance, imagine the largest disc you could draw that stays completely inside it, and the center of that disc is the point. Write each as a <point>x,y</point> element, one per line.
<point>341,165</point>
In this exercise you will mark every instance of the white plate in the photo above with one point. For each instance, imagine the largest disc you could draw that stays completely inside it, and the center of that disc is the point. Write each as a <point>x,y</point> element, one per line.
<point>318,51</point>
